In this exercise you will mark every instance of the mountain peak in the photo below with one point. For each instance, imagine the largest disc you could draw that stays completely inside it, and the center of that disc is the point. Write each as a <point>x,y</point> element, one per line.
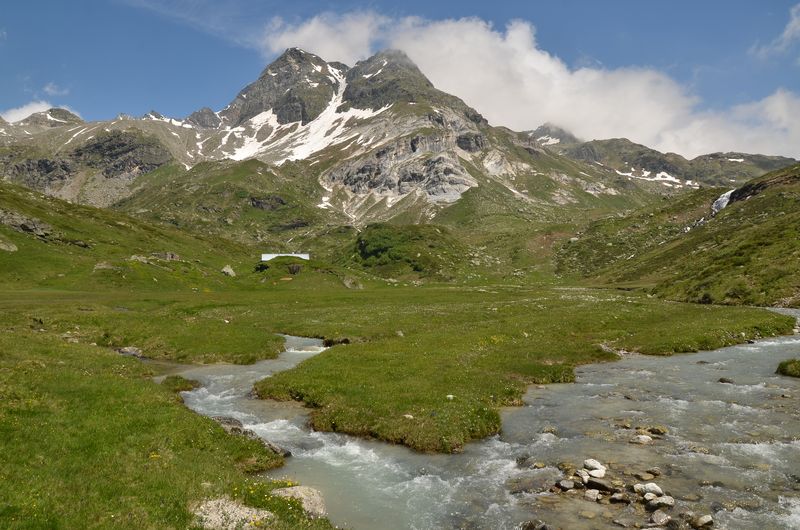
<point>204,117</point>
<point>54,117</point>
<point>550,134</point>
<point>390,77</point>
<point>297,86</point>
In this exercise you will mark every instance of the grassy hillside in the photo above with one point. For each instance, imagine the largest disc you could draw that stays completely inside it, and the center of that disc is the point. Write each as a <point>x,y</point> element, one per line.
<point>90,441</point>
<point>749,253</point>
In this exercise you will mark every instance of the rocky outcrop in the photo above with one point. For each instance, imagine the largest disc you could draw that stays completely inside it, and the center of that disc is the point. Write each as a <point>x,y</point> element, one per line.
<point>227,514</point>
<point>267,202</point>
<point>117,153</point>
<point>311,499</point>
<point>28,225</point>
<point>425,163</point>
<point>235,427</point>
<point>41,174</point>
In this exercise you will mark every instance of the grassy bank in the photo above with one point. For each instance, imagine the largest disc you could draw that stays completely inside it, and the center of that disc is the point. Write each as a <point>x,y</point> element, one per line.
<point>91,442</point>
<point>409,347</point>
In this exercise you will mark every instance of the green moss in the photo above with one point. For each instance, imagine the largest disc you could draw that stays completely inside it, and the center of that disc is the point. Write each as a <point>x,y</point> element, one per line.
<point>790,367</point>
<point>177,383</point>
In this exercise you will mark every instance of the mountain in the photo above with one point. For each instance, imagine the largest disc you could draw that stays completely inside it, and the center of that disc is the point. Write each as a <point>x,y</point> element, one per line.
<point>312,152</point>
<point>642,163</point>
<point>549,135</point>
<point>380,141</point>
<point>737,247</point>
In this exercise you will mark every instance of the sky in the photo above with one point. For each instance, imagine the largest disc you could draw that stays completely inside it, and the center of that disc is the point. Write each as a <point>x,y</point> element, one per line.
<point>684,76</point>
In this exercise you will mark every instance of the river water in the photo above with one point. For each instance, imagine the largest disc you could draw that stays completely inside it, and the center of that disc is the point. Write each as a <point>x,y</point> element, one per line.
<point>731,449</point>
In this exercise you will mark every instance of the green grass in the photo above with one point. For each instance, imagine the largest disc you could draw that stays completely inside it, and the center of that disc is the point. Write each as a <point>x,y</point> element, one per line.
<point>91,442</point>
<point>177,383</point>
<point>789,367</point>
<point>748,254</point>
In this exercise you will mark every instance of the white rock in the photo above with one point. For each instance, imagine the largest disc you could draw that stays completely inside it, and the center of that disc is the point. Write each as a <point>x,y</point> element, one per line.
<point>598,473</point>
<point>650,496</point>
<point>591,463</point>
<point>226,514</point>
<point>660,518</point>
<point>450,396</point>
<point>703,521</point>
<point>311,499</point>
<point>583,474</point>
<point>227,270</point>
<point>652,487</point>
<point>661,502</point>
<point>639,488</point>
<point>642,439</point>
<point>592,495</point>
<point>408,416</point>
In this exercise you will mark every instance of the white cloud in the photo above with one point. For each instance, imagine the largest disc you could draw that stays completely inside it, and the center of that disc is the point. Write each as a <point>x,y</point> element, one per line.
<point>507,77</point>
<point>52,89</point>
<point>22,112</point>
<point>3,34</point>
<point>346,38</point>
<point>790,35</point>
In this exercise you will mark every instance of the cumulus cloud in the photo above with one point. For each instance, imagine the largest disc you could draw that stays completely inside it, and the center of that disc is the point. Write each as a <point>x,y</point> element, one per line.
<point>22,112</point>
<point>346,38</point>
<point>506,76</point>
<point>782,43</point>
<point>52,89</point>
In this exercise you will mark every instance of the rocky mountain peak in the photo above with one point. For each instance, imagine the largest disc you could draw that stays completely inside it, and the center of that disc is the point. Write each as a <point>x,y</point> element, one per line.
<point>297,86</point>
<point>204,117</point>
<point>55,117</point>
<point>550,134</point>
<point>390,77</point>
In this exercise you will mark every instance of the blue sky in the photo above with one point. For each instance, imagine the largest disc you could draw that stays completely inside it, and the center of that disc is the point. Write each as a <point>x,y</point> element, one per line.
<point>101,58</point>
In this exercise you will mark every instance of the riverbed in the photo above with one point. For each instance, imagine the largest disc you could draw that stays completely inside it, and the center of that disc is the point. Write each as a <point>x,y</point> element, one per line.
<point>730,449</point>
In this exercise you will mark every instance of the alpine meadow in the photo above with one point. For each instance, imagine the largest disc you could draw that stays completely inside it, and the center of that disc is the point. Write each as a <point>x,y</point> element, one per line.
<point>352,299</point>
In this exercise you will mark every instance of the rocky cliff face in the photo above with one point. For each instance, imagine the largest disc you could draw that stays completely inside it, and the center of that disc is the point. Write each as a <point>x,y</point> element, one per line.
<point>99,172</point>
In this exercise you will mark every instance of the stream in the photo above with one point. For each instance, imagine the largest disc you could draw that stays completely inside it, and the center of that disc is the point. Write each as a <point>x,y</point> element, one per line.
<point>731,449</point>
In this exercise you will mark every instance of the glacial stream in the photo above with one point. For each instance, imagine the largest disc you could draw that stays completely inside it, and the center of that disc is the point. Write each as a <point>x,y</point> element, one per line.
<point>731,450</point>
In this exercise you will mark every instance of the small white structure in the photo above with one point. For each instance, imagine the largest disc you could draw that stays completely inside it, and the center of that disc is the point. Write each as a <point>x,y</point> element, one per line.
<point>268,257</point>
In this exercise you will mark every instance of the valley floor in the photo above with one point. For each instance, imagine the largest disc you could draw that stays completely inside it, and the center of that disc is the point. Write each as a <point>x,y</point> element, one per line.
<point>95,440</point>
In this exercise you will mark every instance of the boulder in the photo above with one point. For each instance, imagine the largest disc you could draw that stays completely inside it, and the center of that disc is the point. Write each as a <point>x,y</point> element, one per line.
<point>7,246</point>
<point>642,439</point>
<point>535,483</point>
<point>620,498</point>
<point>566,485</point>
<point>227,270</point>
<point>226,514</point>
<point>597,473</point>
<point>591,464</point>
<point>311,499</point>
<point>665,501</point>
<point>592,495</point>
<point>131,351</point>
<point>235,427</point>
<point>703,521</point>
<point>601,484</point>
<point>660,518</point>
<point>652,487</point>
